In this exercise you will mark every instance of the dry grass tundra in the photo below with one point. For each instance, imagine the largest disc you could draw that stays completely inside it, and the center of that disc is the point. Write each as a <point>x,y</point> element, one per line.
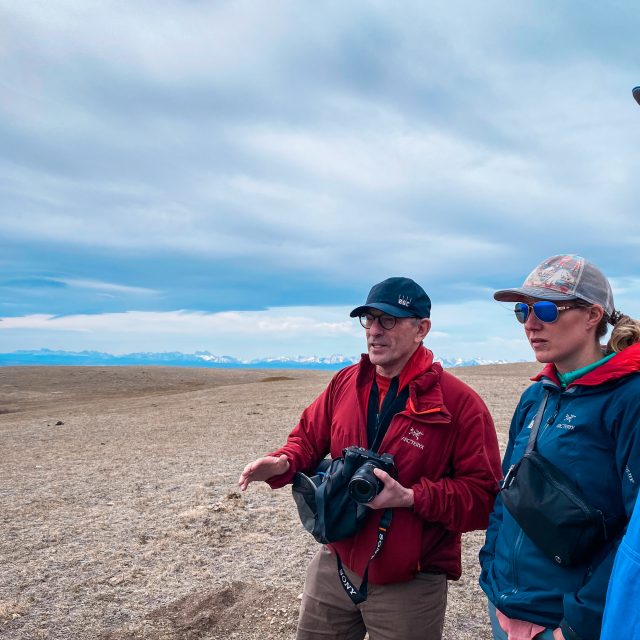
<point>120,515</point>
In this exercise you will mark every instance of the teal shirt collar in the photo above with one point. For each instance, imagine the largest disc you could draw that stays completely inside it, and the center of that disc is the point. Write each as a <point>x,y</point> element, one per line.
<point>571,376</point>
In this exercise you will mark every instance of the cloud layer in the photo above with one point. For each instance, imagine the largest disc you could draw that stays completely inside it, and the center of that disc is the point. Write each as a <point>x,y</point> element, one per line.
<point>236,157</point>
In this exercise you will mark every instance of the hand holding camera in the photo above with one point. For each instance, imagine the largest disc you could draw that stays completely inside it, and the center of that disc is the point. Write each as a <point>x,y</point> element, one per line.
<point>373,480</point>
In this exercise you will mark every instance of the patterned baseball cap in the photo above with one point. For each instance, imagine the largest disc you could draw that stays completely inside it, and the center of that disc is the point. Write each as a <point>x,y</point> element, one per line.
<point>564,277</point>
<point>399,297</point>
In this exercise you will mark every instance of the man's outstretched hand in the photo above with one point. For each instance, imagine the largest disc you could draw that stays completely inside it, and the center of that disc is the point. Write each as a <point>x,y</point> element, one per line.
<point>263,469</point>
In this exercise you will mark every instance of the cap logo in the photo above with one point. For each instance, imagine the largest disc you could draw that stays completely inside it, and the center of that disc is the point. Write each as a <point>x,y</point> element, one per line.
<point>557,275</point>
<point>404,301</point>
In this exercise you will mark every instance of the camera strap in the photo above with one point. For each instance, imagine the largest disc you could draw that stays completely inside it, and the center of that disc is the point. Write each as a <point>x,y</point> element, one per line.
<point>379,418</point>
<point>360,595</point>
<point>378,421</point>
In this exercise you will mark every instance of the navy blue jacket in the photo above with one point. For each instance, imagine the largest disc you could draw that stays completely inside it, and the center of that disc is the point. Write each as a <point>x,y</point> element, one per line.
<point>590,430</point>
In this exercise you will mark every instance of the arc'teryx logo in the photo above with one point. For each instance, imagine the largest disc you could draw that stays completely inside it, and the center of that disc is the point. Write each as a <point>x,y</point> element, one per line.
<point>566,425</point>
<point>415,436</point>
<point>632,480</point>
<point>404,301</point>
<point>414,433</point>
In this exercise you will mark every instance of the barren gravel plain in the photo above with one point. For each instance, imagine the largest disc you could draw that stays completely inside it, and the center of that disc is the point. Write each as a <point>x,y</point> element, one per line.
<point>121,519</point>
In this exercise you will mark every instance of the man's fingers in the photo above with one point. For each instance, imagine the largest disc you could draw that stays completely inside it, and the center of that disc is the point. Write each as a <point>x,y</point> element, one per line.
<point>245,477</point>
<point>263,469</point>
<point>382,475</point>
<point>243,480</point>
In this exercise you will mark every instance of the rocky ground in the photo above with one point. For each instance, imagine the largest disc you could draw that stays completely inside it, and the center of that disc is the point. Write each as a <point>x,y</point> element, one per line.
<point>120,515</point>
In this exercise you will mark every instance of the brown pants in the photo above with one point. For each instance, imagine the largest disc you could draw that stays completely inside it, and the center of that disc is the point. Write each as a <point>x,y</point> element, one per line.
<point>411,610</point>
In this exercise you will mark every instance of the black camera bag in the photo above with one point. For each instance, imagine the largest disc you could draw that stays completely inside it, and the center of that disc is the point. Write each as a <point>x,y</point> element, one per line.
<point>329,513</point>
<point>325,507</point>
<point>551,509</point>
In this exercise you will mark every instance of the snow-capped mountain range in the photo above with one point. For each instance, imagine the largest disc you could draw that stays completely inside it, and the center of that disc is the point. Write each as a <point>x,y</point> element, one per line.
<point>199,359</point>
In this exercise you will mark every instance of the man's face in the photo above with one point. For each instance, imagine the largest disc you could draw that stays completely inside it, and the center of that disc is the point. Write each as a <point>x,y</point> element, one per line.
<point>390,349</point>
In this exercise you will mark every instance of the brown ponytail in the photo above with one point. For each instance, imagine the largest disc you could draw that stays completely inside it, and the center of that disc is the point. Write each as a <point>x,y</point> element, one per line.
<point>626,331</point>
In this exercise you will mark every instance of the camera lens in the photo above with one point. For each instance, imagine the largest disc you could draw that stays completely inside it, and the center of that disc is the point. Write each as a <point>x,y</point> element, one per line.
<point>361,490</point>
<point>364,486</point>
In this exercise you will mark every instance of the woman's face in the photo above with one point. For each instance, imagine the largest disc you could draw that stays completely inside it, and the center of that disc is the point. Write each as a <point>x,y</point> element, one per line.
<point>569,342</point>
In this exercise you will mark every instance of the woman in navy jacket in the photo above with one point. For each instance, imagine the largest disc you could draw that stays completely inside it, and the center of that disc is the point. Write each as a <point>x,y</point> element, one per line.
<point>589,430</point>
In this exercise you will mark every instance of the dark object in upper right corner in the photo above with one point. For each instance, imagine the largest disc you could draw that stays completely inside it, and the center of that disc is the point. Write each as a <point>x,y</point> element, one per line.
<point>636,94</point>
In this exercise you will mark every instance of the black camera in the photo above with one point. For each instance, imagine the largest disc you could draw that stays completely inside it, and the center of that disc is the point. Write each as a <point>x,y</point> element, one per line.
<point>364,486</point>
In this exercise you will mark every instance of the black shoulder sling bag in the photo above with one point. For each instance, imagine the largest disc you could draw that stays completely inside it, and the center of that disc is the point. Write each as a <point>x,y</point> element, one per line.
<point>551,509</point>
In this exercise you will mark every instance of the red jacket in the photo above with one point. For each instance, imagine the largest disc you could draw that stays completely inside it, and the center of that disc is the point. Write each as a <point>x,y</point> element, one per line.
<point>445,448</point>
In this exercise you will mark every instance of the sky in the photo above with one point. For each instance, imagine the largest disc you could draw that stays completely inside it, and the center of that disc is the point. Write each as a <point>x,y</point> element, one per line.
<point>234,176</point>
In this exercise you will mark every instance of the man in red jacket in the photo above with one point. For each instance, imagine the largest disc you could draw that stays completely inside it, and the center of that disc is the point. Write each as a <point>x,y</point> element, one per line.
<point>398,401</point>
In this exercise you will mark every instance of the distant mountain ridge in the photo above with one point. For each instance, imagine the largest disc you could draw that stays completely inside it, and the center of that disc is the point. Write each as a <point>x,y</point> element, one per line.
<point>199,359</point>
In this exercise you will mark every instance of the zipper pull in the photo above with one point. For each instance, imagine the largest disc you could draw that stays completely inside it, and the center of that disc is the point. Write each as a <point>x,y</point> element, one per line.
<point>508,478</point>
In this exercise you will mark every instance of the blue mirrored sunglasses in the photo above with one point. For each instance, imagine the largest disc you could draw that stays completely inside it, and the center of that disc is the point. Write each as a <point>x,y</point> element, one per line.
<point>544,310</point>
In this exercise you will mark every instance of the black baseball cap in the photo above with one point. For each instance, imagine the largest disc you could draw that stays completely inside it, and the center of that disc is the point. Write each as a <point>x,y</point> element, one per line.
<point>399,297</point>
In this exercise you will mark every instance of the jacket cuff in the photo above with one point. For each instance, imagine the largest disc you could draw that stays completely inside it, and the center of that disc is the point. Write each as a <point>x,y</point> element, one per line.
<point>277,482</point>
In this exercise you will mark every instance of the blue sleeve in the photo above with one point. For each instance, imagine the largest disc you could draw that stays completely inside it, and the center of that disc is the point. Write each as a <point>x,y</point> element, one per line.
<point>622,610</point>
<point>583,610</point>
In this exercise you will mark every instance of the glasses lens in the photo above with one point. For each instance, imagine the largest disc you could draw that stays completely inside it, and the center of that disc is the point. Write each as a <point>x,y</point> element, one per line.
<point>545,311</point>
<point>522,312</point>
<point>387,322</point>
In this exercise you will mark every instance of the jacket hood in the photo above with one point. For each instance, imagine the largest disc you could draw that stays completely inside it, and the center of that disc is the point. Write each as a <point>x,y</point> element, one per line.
<point>621,365</point>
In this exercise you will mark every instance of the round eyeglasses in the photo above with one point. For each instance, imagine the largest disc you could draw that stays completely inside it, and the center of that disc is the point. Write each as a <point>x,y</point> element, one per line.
<point>385,320</point>
<point>545,310</point>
